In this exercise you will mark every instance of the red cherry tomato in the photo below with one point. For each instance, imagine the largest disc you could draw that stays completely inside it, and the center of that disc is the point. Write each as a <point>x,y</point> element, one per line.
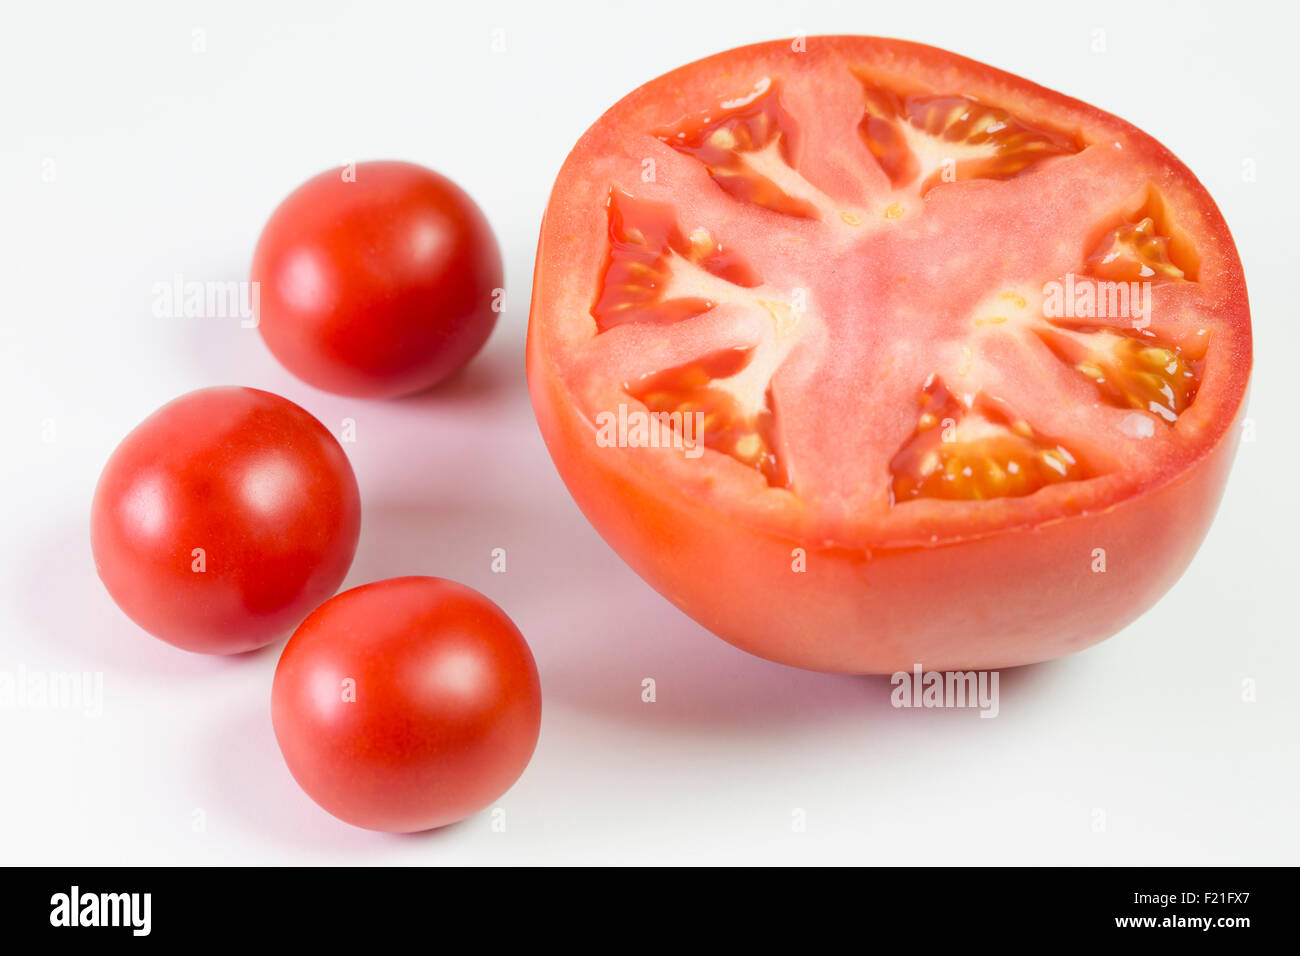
<point>406,704</point>
<point>377,286</point>
<point>223,519</point>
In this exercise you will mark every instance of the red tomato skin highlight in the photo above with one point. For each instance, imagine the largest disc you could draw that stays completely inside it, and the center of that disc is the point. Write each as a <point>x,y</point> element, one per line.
<point>445,710</point>
<point>256,483</point>
<point>379,287</point>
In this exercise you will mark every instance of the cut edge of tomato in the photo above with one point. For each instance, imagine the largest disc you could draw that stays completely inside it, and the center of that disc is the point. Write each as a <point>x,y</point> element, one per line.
<point>1231,380</point>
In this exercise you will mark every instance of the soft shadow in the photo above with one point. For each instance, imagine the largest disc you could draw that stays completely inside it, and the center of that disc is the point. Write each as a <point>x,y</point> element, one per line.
<point>596,649</point>
<point>495,373</point>
<point>251,782</point>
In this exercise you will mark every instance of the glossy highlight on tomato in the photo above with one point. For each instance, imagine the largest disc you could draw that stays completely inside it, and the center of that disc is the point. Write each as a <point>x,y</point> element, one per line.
<point>970,354</point>
<point>224,518</point>
<point>406,704</point>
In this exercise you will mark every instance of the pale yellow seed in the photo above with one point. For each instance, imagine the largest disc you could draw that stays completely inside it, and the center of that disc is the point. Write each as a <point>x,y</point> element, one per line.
<point>701,243</point>
<point>749,447</point>
<point>722,139</point>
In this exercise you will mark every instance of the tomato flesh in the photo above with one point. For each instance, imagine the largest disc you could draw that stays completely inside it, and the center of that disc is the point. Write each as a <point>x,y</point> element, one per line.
<point>917,303</point>
<point>973,453</point>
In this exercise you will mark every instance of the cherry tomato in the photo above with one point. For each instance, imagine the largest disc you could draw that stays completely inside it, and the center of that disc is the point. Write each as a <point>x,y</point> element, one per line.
<point>377,284</point>
<point>406,704</point>
<point>223,519</point>
<point>929,364</point>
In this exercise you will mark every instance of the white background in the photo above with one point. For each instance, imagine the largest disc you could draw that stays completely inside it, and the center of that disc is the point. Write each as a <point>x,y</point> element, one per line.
<point>166,160</point>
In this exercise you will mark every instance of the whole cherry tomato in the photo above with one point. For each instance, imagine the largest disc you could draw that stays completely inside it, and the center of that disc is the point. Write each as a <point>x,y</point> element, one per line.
<point>224,518</point>
<point>377,281</point>
<point>406,704</point>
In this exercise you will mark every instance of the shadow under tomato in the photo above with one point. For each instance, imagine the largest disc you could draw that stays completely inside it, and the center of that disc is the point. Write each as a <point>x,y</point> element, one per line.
<point>70,617</point>
<point>496,374</point>
<point>248,779</point>
<point>703,686</point>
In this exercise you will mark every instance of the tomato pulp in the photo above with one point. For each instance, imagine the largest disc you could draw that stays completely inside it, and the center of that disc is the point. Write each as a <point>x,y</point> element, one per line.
<point>867,355</point>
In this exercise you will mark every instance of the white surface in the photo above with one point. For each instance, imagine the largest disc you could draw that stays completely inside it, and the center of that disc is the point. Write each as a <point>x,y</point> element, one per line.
<point>168,160</point>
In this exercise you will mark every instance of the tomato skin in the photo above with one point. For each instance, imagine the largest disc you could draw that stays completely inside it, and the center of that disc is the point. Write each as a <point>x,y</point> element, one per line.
<point>379,287</point>
<point>1021,597</point>
<point>446,706</point>
<point>254,481</point>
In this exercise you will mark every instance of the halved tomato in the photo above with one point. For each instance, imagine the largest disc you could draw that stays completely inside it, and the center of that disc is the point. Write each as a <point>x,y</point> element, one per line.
<point>868,355</point>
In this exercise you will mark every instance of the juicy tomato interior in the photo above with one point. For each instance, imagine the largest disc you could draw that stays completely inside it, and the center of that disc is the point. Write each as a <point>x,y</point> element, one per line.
<point>909,298</point>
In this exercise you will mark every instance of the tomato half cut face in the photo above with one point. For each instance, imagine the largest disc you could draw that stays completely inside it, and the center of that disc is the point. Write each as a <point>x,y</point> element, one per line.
<point>868,355</point>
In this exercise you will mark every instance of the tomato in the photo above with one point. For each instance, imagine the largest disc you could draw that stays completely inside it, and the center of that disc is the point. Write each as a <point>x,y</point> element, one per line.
<point>868,355</point>
<point>406,704</point>
<point>223,519</point>
<point>377,282</point>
